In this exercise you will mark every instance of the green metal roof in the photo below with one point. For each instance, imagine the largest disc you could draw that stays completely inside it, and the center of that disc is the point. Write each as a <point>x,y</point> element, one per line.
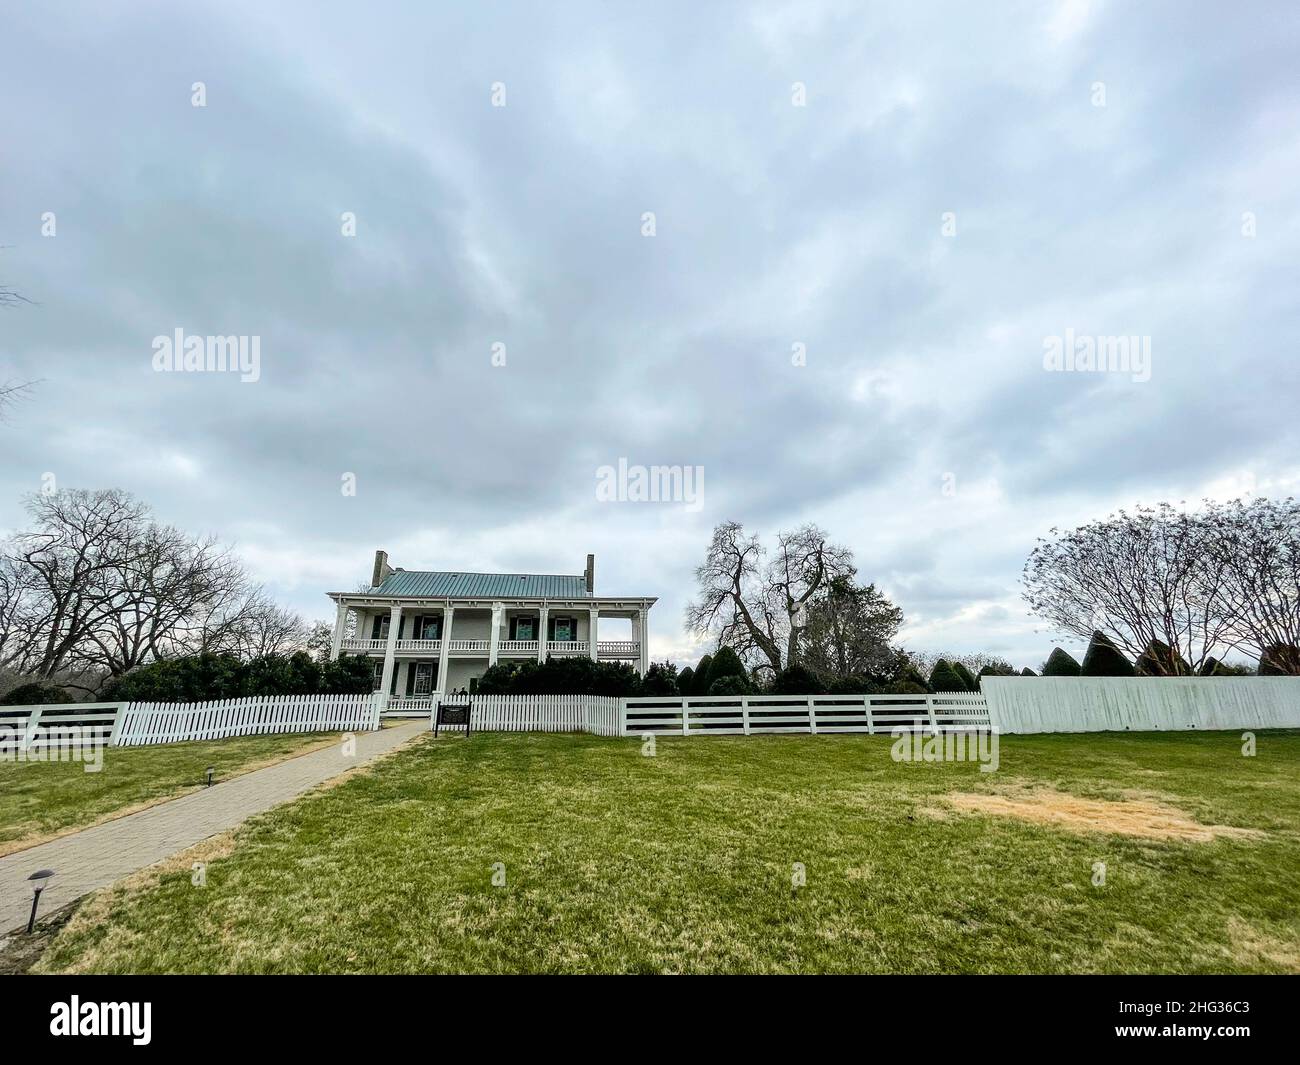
<point>438,584</point>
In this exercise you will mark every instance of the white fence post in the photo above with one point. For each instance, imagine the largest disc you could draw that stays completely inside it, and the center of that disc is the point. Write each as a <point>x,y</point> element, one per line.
<point>118,719</point>
<point>812,715</point>
<point>686,724</point>
<point>33,721</point>
<point>934,721</point>
<point>744,715</point>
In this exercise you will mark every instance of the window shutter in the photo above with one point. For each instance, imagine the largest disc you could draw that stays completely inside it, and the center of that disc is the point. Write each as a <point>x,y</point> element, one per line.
<point>374,631</point>
<point>514,628</point>
<point>550,628</point>
<point>410,678</point>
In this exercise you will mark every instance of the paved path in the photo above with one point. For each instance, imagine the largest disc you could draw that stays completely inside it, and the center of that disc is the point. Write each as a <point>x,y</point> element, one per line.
<point>101,855</point>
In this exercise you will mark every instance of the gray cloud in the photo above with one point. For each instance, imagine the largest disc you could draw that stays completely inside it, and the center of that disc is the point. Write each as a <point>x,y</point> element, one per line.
<point>776,225</point>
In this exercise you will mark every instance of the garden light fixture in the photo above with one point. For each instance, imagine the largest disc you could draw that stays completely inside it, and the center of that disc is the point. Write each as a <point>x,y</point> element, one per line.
<point>38,880</point>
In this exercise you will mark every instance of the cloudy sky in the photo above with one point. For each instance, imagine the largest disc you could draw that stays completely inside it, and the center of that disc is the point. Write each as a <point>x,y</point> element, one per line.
<point>918,194</point>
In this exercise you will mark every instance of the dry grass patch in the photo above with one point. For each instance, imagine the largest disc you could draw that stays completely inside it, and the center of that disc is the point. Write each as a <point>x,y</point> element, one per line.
<point>1140,817</point>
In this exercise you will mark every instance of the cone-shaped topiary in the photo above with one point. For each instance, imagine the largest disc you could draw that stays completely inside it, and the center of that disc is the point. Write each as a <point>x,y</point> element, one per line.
<point>726,663</point>
<point>1209,666</point>
<point>700,682</point>
<point>943,678</point>
<point>1027,672</point>
<point>967,678</point>
<point>1060,664</point>
<point>686,681</point>
<point>1104,659</point>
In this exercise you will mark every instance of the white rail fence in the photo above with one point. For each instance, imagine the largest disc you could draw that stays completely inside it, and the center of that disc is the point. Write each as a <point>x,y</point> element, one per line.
<point>745,715</point>
<point>1009,704</point>
<point>52,724</point>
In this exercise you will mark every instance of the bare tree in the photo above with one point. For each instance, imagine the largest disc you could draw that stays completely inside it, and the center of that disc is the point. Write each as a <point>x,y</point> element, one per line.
<point>756,605</point>
<point>1258,547</point>
<point>96,588</point>
<point>1150,579</point>
<point>10,393</point>
<point>70,560</point>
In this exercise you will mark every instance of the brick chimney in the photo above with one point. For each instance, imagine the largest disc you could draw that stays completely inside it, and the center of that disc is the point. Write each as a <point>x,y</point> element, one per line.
<point>591,574</point>
<point>382,569</point>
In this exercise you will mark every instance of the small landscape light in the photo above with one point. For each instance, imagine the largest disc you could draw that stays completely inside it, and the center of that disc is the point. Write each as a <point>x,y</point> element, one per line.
<point>211,770</point>
<point>38,880</point>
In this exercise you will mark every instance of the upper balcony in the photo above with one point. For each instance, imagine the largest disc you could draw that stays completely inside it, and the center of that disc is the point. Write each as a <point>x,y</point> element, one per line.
<point>606,650</point>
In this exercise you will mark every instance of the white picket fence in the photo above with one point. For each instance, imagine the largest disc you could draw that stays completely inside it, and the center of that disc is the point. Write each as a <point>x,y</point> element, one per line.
<point>744,715</point>
<point>143,723</point>
<point>598,714</point>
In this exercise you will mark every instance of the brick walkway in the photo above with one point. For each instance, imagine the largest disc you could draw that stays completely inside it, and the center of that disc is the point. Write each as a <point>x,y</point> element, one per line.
<point>101,855</point>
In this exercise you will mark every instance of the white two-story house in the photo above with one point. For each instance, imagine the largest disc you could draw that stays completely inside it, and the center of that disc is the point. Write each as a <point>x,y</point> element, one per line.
<point>434,631</point>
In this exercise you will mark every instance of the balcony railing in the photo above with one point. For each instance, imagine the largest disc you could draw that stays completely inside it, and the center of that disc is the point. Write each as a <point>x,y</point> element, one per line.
<point>606,649</point>
<point>420,645</point>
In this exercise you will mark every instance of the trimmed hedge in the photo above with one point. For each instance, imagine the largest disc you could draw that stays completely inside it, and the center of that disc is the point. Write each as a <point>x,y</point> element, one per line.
<point>1061,664</point>
<point>701,680</point>
<point>726,663</point>
<point>798,680</point>
<point>560,676</point>
<point>199,678</point>
<point>35,694</point>
<point>967,678</point>
<point>943,678</point>
<point>1104,659</point>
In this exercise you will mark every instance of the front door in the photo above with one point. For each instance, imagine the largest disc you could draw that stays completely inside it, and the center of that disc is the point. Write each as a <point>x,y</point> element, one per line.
<point>424,674</point>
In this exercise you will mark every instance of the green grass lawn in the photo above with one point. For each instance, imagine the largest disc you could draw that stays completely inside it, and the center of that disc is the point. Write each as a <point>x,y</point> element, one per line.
<point>682,862</point>
<point>39,800</point>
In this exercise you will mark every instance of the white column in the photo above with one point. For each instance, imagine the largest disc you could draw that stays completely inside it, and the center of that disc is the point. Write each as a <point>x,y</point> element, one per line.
<point>643,638</point>
<point>390,648</point>
<point>494,640</point>
<point>340,627</point>
<point>448,613</point>
<point>542,619</point>
<point>592,614</point>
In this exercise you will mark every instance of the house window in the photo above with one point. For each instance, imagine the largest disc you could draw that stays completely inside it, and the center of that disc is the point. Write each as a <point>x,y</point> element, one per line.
<point>379,674</point>
<point>524,629</point>
<point>565,630</point>
<point>423,678</point>
<point>380,630</point>
<point>428,628</point>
